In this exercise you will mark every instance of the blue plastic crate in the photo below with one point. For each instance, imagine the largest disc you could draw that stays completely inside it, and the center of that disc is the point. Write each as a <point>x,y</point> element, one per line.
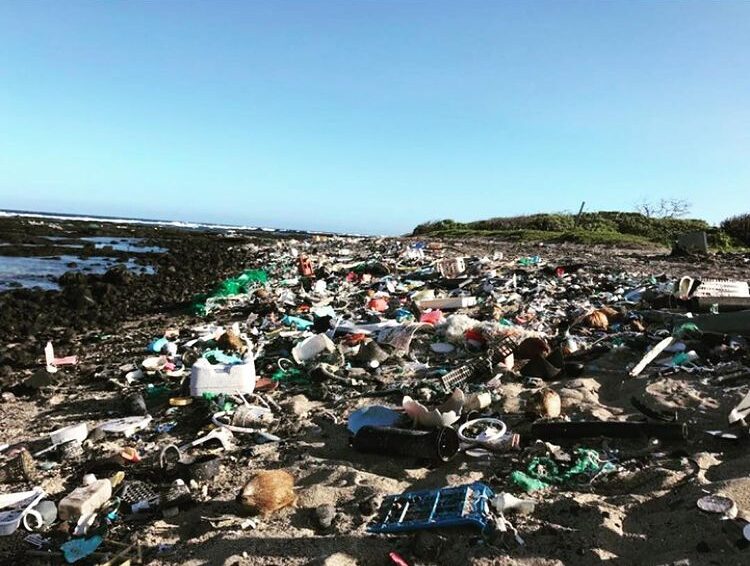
<point>464,505</point>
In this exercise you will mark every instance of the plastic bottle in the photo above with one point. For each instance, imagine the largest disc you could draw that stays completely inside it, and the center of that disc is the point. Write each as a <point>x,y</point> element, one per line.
<point>86,499</point>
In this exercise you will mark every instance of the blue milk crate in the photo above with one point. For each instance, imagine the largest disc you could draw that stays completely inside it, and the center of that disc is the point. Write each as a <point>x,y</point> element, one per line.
<point>435,508</point>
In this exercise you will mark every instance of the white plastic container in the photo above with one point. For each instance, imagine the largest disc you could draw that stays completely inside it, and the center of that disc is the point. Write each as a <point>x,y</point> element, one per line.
<point>86,499</point>
<point>311,347</point>
<point>77,432</point>
<point>206,377</point>
<point>14,506</point>
<point>449,303</point>
<point>125,426</point>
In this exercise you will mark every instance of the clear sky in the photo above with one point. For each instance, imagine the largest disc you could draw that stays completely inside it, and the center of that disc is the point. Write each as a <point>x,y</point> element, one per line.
<point>372,116</point>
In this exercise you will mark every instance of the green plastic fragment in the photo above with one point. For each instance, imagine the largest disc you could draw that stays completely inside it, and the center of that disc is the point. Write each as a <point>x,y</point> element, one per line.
<point>680,358</point>
<point>218,401</point>
<point>543,472</point>
<point>229,288</point>
<point>291,375</point>
<point>527,483</point>
<point>156,390</point>
<point>686,329</point>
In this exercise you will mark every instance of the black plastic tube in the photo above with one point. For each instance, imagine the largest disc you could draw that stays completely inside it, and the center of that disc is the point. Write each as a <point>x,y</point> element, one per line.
<point>439,445</point>
<point>725,304</point>
<point>611,429</point>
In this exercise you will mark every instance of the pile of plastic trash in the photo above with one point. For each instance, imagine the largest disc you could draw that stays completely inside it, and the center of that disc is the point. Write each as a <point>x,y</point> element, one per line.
<point>426,340</point>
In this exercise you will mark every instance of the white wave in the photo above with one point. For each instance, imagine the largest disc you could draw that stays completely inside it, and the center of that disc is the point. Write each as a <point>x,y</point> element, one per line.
<point>163,223</point>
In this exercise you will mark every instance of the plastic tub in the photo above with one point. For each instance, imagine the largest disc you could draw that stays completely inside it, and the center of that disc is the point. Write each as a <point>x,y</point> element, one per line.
<point>14,506</point>
<point>222,378</point>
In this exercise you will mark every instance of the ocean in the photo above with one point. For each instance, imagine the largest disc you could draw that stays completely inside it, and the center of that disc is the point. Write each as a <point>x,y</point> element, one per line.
<point>36,248</point>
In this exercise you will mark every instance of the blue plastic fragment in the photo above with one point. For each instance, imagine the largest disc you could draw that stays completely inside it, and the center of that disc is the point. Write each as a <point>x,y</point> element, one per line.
<point>464,505</point>
<point>299,323</point>
<point>219,357</point>
<point>403,314</point>
<point>165,427</point>
<point>79,548</point>
<point>157,345</point>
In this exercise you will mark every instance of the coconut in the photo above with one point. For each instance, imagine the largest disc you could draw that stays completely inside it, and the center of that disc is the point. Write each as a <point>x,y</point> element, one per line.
<point>597,319</point>
<point>547,403</point>
<point>268,491</point>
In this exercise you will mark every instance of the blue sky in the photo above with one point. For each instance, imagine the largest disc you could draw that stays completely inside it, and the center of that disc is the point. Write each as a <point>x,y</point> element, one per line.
<point>372,116</point>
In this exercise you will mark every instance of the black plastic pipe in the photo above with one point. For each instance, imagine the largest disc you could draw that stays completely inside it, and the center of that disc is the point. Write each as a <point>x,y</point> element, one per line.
<point>439,445</point>
<point>725,304</point>
<point>611,429</point>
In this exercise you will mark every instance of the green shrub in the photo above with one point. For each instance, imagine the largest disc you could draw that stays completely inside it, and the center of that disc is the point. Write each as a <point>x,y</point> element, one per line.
<point>545,222</point>
<point>719,239</point>
<point>600,226</point>
<point>435,226</point>
<point>738,227</point>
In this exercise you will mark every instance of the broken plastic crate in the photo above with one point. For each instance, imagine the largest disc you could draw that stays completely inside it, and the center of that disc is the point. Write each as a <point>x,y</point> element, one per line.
<point>722,288</point>
<point>465,505</point>
<point>451,267</point>
<point>455,378</point>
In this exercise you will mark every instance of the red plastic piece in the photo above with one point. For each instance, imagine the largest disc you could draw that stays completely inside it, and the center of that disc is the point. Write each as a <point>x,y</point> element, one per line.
<point>305,266</point>
<point>379,305</point>
<point>432,317</point>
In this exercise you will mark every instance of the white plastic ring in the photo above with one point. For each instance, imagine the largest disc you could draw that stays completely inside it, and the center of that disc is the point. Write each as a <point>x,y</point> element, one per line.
<point>487,421</point>
<point>37,523</point>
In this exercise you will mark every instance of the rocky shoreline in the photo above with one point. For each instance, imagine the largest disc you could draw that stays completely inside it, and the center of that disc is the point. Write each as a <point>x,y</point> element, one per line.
<point>193,263</point>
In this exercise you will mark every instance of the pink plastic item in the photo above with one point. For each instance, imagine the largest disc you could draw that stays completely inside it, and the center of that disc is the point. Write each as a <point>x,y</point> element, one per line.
<point>53,362</point>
